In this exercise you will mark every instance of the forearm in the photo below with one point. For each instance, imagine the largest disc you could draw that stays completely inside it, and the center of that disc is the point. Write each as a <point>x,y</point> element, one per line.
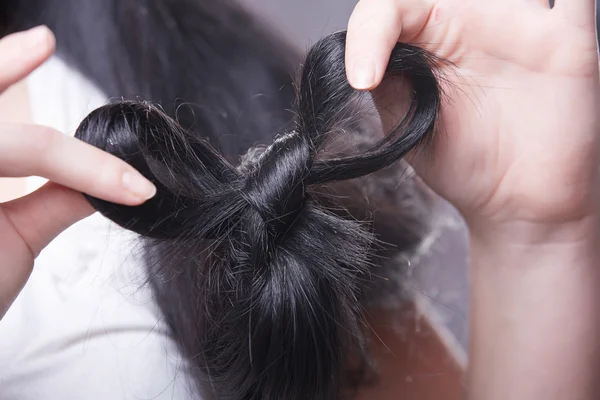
<point>535,318</point>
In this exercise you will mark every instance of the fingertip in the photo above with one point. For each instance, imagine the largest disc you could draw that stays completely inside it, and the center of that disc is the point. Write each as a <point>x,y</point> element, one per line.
<point>75,164</point>
<point>363,74</point>
<point>23,52</point>
<point>373,30</point>
<point>41,43</point>
<point>41,37</point>
<point>139,188</point>
<point>121,185</point>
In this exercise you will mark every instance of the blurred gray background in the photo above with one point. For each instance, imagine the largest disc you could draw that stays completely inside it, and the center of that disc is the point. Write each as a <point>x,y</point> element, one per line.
<point>305,21</point>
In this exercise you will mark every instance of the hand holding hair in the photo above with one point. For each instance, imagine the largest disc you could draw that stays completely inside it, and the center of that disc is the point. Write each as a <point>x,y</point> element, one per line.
<point>517,153</point>
<point>272,277</point>
<point>28,224</point>
<point>520,108</point>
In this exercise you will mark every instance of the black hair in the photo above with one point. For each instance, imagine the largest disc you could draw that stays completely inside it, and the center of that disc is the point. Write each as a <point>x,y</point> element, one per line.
<point>258,265</point>
<point>267,280</point>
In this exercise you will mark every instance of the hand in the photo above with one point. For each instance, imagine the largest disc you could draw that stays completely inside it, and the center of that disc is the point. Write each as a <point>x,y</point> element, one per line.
<point>28,224</point>
<point>519,130</point>
<point>517,154</point>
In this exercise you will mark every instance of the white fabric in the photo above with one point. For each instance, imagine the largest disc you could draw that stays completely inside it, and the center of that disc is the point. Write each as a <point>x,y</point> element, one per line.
<point>85,326</point>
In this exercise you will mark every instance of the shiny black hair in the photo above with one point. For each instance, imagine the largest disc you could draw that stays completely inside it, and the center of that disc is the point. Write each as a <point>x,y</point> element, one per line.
<point>262,279</point>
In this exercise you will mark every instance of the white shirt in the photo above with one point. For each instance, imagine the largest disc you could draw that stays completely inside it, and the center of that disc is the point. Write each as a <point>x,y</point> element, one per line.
<point>85,326</point>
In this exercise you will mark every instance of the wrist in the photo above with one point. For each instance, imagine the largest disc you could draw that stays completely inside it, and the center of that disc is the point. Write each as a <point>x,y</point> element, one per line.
<point>542,213</point>
<point>514,259</point>
<point>535,329</point>
<point>525,236</point>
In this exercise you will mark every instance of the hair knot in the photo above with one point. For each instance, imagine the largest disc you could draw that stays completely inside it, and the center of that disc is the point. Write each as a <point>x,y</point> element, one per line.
<point>276,186</point>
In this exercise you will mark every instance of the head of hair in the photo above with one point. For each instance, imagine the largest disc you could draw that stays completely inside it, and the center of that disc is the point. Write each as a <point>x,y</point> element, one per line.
<point>260,277</point>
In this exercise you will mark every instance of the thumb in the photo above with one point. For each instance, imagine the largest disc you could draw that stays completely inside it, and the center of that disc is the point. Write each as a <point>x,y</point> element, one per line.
<point>374,28</point>
<point>40,216</point>
<point>27,225</point>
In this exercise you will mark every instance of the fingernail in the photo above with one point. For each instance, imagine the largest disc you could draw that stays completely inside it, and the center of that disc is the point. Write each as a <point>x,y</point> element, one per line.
<point>139,186</point>
<point>363,73</point>
<point>38,36</point>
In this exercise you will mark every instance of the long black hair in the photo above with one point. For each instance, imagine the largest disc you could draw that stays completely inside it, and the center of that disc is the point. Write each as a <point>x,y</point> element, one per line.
<point>265,278</point>
<point>259,264</point>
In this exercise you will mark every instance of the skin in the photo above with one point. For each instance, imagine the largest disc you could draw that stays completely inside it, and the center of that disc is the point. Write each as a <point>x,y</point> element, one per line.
<point>29,223</point>
<point>517,154</point>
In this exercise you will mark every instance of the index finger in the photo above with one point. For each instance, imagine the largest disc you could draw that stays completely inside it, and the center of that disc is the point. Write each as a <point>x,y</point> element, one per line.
<point>373,30</point>
<point>32,150</point>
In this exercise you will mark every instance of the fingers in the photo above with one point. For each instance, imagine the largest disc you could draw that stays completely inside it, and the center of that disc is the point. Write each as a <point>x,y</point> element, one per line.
<point>579,12</point>
<point>22,52</point>
<point>374,28</point>
<point>30,150</point>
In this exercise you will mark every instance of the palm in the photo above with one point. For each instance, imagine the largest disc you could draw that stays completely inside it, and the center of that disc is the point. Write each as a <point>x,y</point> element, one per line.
<point>521,73</point>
